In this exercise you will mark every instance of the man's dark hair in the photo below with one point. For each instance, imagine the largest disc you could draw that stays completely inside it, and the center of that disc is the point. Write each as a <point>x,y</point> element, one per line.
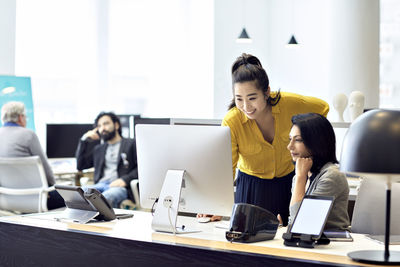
<point>318,137</point>
<point>113,117</point>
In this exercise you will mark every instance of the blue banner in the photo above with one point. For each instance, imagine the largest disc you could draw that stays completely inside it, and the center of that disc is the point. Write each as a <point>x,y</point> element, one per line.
<point>14,88</point>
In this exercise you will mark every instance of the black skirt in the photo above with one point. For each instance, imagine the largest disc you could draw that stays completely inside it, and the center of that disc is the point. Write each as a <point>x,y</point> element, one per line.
<point>271,194</point>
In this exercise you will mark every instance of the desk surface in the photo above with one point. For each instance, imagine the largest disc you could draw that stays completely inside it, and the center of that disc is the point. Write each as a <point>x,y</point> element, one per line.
<point>132,240</point>
<point>63,165</point>
<point>65,171</point>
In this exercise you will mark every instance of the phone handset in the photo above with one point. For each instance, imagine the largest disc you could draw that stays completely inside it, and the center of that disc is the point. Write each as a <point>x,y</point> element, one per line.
<point>100,203</point>
<point>100,137</point>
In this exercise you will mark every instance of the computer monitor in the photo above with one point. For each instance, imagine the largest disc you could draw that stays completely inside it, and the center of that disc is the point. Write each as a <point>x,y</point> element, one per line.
<point>369,216</point>
<point>202,153</point>
<point>142,120</point>
<point>62,139</point>
<point>198,122</point>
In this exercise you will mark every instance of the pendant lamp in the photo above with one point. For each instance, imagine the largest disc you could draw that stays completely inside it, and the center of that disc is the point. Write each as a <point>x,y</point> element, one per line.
<point>293,41</point>
<point>244,37</point>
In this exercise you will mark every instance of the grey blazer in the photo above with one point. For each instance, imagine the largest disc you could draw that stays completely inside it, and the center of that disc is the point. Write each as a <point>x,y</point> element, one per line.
<point>330,182</point>
<point>17,141</point>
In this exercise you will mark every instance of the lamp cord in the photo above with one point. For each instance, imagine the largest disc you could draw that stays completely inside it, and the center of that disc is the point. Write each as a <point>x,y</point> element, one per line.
<point>170,221</point>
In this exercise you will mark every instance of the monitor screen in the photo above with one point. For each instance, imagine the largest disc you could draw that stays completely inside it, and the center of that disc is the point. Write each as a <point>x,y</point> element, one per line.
<point>204,152</point>
<point>62,139</point>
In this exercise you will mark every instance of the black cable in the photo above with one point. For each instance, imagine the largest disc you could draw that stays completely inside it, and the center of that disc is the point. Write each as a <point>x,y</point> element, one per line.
<point>152,207</point>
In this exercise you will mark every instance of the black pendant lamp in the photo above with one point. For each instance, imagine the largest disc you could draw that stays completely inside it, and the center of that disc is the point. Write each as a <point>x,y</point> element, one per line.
<point>293,41</point>
<point>244,37</point>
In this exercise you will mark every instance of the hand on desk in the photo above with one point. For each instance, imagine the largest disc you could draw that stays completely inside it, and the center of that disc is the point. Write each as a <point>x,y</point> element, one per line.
<point>214,218</point>
<point>118,183</point>
<point>279,219</point>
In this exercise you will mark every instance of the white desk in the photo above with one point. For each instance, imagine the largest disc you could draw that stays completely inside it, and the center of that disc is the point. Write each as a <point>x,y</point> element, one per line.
<point>65,171</point>
<point>63,165</point>
<point>43,240</point>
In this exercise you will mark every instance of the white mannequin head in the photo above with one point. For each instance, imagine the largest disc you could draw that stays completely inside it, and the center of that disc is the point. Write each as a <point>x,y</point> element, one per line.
<point>356,104</point>
<point>340,104</point>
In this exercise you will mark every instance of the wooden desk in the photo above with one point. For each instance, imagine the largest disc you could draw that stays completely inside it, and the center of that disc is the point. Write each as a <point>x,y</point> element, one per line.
<point>39,240</point>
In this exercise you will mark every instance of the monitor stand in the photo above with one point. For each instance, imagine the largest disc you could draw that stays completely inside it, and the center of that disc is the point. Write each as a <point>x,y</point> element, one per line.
<point>166,213</point>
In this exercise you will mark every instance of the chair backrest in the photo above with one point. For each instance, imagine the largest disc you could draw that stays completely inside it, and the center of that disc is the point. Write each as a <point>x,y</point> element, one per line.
<point>370,208</point>
<point>22,181</point>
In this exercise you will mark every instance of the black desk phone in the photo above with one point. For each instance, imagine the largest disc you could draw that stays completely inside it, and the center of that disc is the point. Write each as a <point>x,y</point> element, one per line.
<point>90,200</point>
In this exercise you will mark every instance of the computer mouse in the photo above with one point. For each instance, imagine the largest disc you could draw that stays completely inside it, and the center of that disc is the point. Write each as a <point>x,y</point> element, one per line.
<point>204,219</point>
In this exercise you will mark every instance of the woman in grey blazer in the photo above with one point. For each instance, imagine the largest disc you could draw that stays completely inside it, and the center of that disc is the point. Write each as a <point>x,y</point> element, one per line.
<point>313,149</point>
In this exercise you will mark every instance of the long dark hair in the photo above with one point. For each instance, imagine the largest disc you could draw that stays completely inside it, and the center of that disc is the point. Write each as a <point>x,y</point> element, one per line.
<point>113,117</point>
<point>318,137</point>
<point>248,68</point>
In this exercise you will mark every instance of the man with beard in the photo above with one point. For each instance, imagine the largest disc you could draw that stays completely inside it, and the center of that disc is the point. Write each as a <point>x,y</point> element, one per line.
<point>112,156</point>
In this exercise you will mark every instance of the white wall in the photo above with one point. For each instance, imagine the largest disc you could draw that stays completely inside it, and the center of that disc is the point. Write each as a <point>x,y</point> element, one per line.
<point>390,54</point>
<point>230,16</point>
<point>303,69</point>
<point>354,50</point>
<point>7,33</point>
<point>270,24</point>
<point>152,57</point>
<point>331,57</point>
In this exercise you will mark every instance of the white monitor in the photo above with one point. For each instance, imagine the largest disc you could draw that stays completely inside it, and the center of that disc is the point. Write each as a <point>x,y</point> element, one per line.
<point>203,153</point>
<point>368,215</point>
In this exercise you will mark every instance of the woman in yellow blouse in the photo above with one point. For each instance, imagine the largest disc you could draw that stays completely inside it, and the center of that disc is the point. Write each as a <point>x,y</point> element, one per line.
<point>260,122</point>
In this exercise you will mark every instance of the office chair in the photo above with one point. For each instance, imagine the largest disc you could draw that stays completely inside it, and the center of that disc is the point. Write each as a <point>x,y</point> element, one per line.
<point>135,192</point>
<point>129,203</point>
<point>23,185</point>
<point>368,215</point>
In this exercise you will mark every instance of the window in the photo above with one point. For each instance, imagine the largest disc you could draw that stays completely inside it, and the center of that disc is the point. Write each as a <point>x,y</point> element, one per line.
<point>389,54</point>
<point>150,57</point>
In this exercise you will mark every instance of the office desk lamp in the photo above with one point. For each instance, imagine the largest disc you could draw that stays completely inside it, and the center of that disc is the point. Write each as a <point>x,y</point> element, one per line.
<point>371,148</point>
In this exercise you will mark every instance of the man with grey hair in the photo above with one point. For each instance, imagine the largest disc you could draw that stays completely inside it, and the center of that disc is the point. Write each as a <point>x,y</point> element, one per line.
<point>18,141</point>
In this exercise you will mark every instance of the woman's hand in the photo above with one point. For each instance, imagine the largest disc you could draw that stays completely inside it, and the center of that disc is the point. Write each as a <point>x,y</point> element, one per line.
<point>279,219</point>
<point>118,183</point>
<point>303,166</point>
<point>213,217</point>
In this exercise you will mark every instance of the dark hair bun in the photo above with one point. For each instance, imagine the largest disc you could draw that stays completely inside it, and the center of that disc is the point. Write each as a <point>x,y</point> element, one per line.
<point>245,59</point>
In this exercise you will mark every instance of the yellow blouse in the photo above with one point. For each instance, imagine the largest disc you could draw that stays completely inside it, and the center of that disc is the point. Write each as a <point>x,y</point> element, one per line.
<point>255,156</point>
